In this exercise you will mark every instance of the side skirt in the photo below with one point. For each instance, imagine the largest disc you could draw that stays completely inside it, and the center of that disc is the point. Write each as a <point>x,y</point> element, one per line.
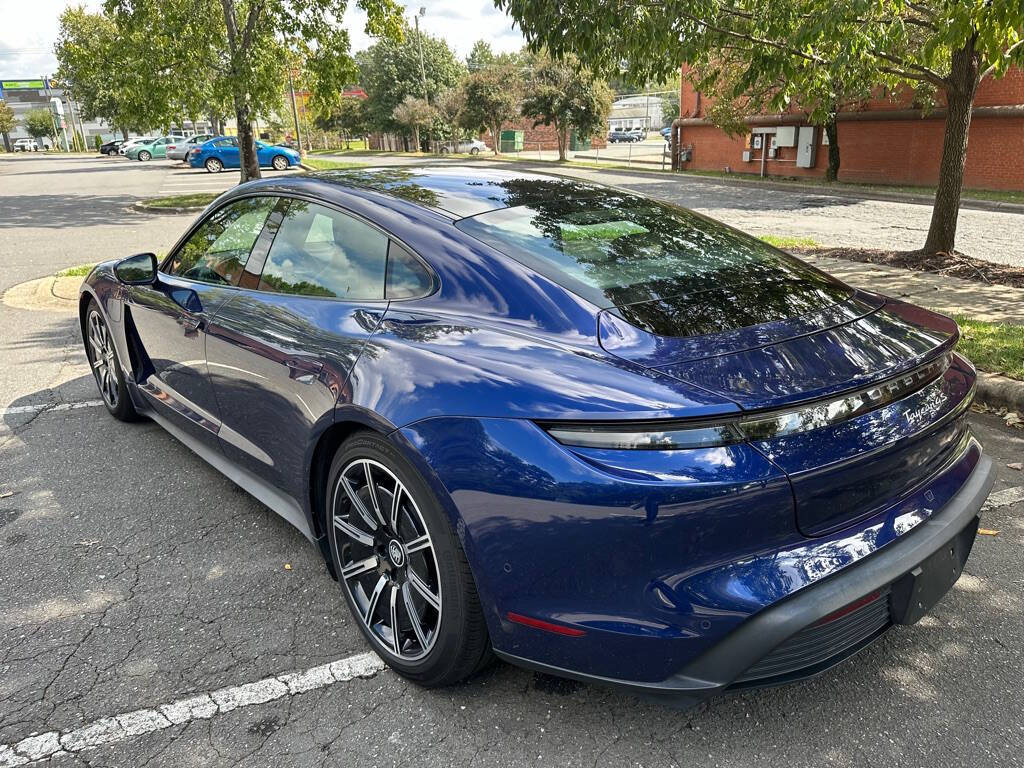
<point>281,503</point>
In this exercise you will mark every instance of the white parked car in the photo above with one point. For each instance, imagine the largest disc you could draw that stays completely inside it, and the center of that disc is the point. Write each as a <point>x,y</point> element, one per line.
<point>466,147</point>
<point>26,145</point>
<point>123,149</point>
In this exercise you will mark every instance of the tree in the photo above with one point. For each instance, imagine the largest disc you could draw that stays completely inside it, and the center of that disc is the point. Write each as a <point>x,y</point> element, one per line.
<point>245,46</point>
<point>389,70</point>
<point>39,124</point>
<point>946,46</point>
<point>414,114</point>
<point>347,117</point>
<point>7,123</point>
<point>480,56</point>
<point>491,96</point>
<point>564,94</point>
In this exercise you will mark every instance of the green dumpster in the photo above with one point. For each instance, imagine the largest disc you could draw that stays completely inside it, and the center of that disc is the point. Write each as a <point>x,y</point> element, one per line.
<point>511,141</point>
<point>576,144</point>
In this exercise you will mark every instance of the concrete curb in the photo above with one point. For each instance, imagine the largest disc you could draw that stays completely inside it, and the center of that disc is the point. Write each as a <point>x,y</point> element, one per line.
<point>45,294</point>
<point>140,207</point>
<point>1001,391</point>
<point>891,197</point>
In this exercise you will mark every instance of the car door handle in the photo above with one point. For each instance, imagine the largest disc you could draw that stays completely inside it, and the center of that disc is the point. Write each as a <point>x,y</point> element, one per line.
<point>191,324</point>
<point>303,369</point>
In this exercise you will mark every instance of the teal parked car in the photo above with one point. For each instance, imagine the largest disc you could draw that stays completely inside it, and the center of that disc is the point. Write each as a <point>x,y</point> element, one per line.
<point>155,148</point>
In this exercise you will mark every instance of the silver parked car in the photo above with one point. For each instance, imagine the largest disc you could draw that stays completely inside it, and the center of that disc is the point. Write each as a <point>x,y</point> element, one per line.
<point>179,150</point>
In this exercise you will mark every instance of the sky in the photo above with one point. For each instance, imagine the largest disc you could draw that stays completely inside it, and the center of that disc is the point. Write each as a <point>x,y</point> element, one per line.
<point>29,30</point>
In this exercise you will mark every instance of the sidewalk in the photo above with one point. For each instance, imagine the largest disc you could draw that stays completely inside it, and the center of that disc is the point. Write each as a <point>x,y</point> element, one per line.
<point>948,295</point>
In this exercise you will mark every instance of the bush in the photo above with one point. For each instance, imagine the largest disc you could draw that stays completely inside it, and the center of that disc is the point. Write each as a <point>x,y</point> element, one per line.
<point>97,142</point>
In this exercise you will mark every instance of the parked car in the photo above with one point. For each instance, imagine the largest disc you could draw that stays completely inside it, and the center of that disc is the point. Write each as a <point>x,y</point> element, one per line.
<point>466,147</point>
<point>181,147</point>
<point>133,142</point>
<point>617,136</point>
<point>110,148</point>
<point>222,152</point>
<point>26,145</point>
<point>666,133</point>
<point>597,434</point>
<point>148,150</point>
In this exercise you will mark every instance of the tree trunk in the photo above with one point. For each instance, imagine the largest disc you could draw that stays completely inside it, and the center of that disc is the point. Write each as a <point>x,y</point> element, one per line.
<point>416,138</point>
<point>832,131</point>
<point>560,133</point>
<point>496,138</point>
<point>248,161</point>
<point>962,85</point>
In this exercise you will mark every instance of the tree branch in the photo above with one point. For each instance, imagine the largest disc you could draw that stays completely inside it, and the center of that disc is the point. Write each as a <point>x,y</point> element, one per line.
<point>1006,54</point>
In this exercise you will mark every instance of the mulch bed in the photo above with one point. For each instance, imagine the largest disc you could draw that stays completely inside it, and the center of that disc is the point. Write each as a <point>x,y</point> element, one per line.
<point>951,264</point>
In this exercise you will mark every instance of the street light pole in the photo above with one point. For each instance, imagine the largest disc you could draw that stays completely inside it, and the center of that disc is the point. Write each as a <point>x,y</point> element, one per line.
<point>419,44</point>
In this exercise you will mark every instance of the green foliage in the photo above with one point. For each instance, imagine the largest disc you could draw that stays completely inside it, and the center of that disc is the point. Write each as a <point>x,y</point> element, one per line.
<point>490,97</point>
<point>996,347</point>
<point>414,114</point>
<point>347,117</point>
<point>97,142</point>
<point>39,124</point>
<point>7,120</point>
<point>564,94</point>
<point>480,56</point>
<point>390,70</point>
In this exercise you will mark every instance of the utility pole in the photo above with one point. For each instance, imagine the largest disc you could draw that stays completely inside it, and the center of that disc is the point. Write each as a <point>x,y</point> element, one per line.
<point>295,112</point>
<point>419,44</point>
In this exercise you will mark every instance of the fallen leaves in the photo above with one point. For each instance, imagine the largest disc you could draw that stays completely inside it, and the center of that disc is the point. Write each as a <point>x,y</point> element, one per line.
<point>1018,465</point>
<point>1010,418</point>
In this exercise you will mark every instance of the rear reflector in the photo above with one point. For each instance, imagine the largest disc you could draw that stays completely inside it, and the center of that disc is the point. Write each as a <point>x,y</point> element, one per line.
<point>547,626</point>
<point>847,609</point>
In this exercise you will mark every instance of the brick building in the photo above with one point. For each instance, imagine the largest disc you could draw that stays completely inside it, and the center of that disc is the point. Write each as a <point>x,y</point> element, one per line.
<point>883,140</point>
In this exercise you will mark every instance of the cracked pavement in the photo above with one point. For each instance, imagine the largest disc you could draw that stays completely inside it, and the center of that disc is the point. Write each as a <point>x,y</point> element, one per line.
<point>134,576</point>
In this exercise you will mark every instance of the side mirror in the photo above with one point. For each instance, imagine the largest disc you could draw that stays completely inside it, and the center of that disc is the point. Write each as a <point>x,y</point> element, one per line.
<point>139,269</point>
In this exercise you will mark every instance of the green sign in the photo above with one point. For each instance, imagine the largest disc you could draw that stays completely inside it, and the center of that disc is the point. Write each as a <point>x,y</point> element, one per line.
<point>14,85</point>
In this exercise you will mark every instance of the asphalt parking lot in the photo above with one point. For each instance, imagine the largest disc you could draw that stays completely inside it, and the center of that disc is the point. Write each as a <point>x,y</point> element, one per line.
<point>151,612</point>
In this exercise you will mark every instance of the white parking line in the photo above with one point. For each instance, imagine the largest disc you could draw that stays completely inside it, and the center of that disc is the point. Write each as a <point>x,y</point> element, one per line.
<point>49,407</point>
<point>203,706</point>
<point>1005,498</point>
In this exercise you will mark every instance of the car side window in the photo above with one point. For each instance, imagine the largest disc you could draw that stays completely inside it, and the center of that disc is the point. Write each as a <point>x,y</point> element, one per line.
<point>322,252</point>
<point>407,277</point>
<point>224,143</point>
<point>217,251</point>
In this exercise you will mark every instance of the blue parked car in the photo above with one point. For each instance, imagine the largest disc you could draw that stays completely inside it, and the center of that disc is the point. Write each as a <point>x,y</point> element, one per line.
<point>222,152</point>
<point>567,425</point>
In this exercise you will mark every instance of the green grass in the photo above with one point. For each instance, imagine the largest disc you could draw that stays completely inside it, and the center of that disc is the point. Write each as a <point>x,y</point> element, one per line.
<point>195,200</point>
<point>330,165</point>
<point>354,146</point>
<point>994,347</point>
<point>789,241</point>
<point>80,271</point>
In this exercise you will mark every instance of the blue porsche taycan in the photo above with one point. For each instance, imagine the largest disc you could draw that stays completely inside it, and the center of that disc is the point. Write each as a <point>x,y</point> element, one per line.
<point>559,423</point>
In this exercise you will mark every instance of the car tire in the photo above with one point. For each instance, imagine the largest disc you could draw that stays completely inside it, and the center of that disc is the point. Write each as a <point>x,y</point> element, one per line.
<point>101,352</point>
<point>213,165</point>
<point>145,156</point>
<point>280,163</point>
<point>475,151</point>
<point>448,640</point>
<point>112,153</point>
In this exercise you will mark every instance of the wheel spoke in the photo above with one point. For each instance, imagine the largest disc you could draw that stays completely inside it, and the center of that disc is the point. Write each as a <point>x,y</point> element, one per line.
<point>394,620</point>
<point>418,584</point>
<point>371,488</point>
<point>357,503</point>
<point>414,617</point>
<point>396,499</point>
<point>360,567</point>
<point>97,362</point>
<point>421,542</point>
<point>353,533</point>
<point>371,607</point>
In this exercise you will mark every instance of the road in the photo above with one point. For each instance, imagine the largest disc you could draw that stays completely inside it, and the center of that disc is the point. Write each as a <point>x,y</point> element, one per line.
<point>136,577</point>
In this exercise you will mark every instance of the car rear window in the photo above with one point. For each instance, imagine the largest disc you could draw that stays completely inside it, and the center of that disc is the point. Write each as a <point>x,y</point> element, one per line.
<point>663,268</point>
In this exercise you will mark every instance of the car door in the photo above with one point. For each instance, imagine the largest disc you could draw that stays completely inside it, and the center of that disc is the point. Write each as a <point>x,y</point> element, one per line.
<point>227,150</point>
<point>160,147</point>
<point>169,318</point>
<point>279,355</point>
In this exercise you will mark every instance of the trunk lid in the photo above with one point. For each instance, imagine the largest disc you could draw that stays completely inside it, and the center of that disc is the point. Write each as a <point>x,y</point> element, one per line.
<point>840,472</point>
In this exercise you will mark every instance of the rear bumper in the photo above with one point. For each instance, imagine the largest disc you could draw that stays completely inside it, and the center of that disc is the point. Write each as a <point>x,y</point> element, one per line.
<point>886,570</point>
